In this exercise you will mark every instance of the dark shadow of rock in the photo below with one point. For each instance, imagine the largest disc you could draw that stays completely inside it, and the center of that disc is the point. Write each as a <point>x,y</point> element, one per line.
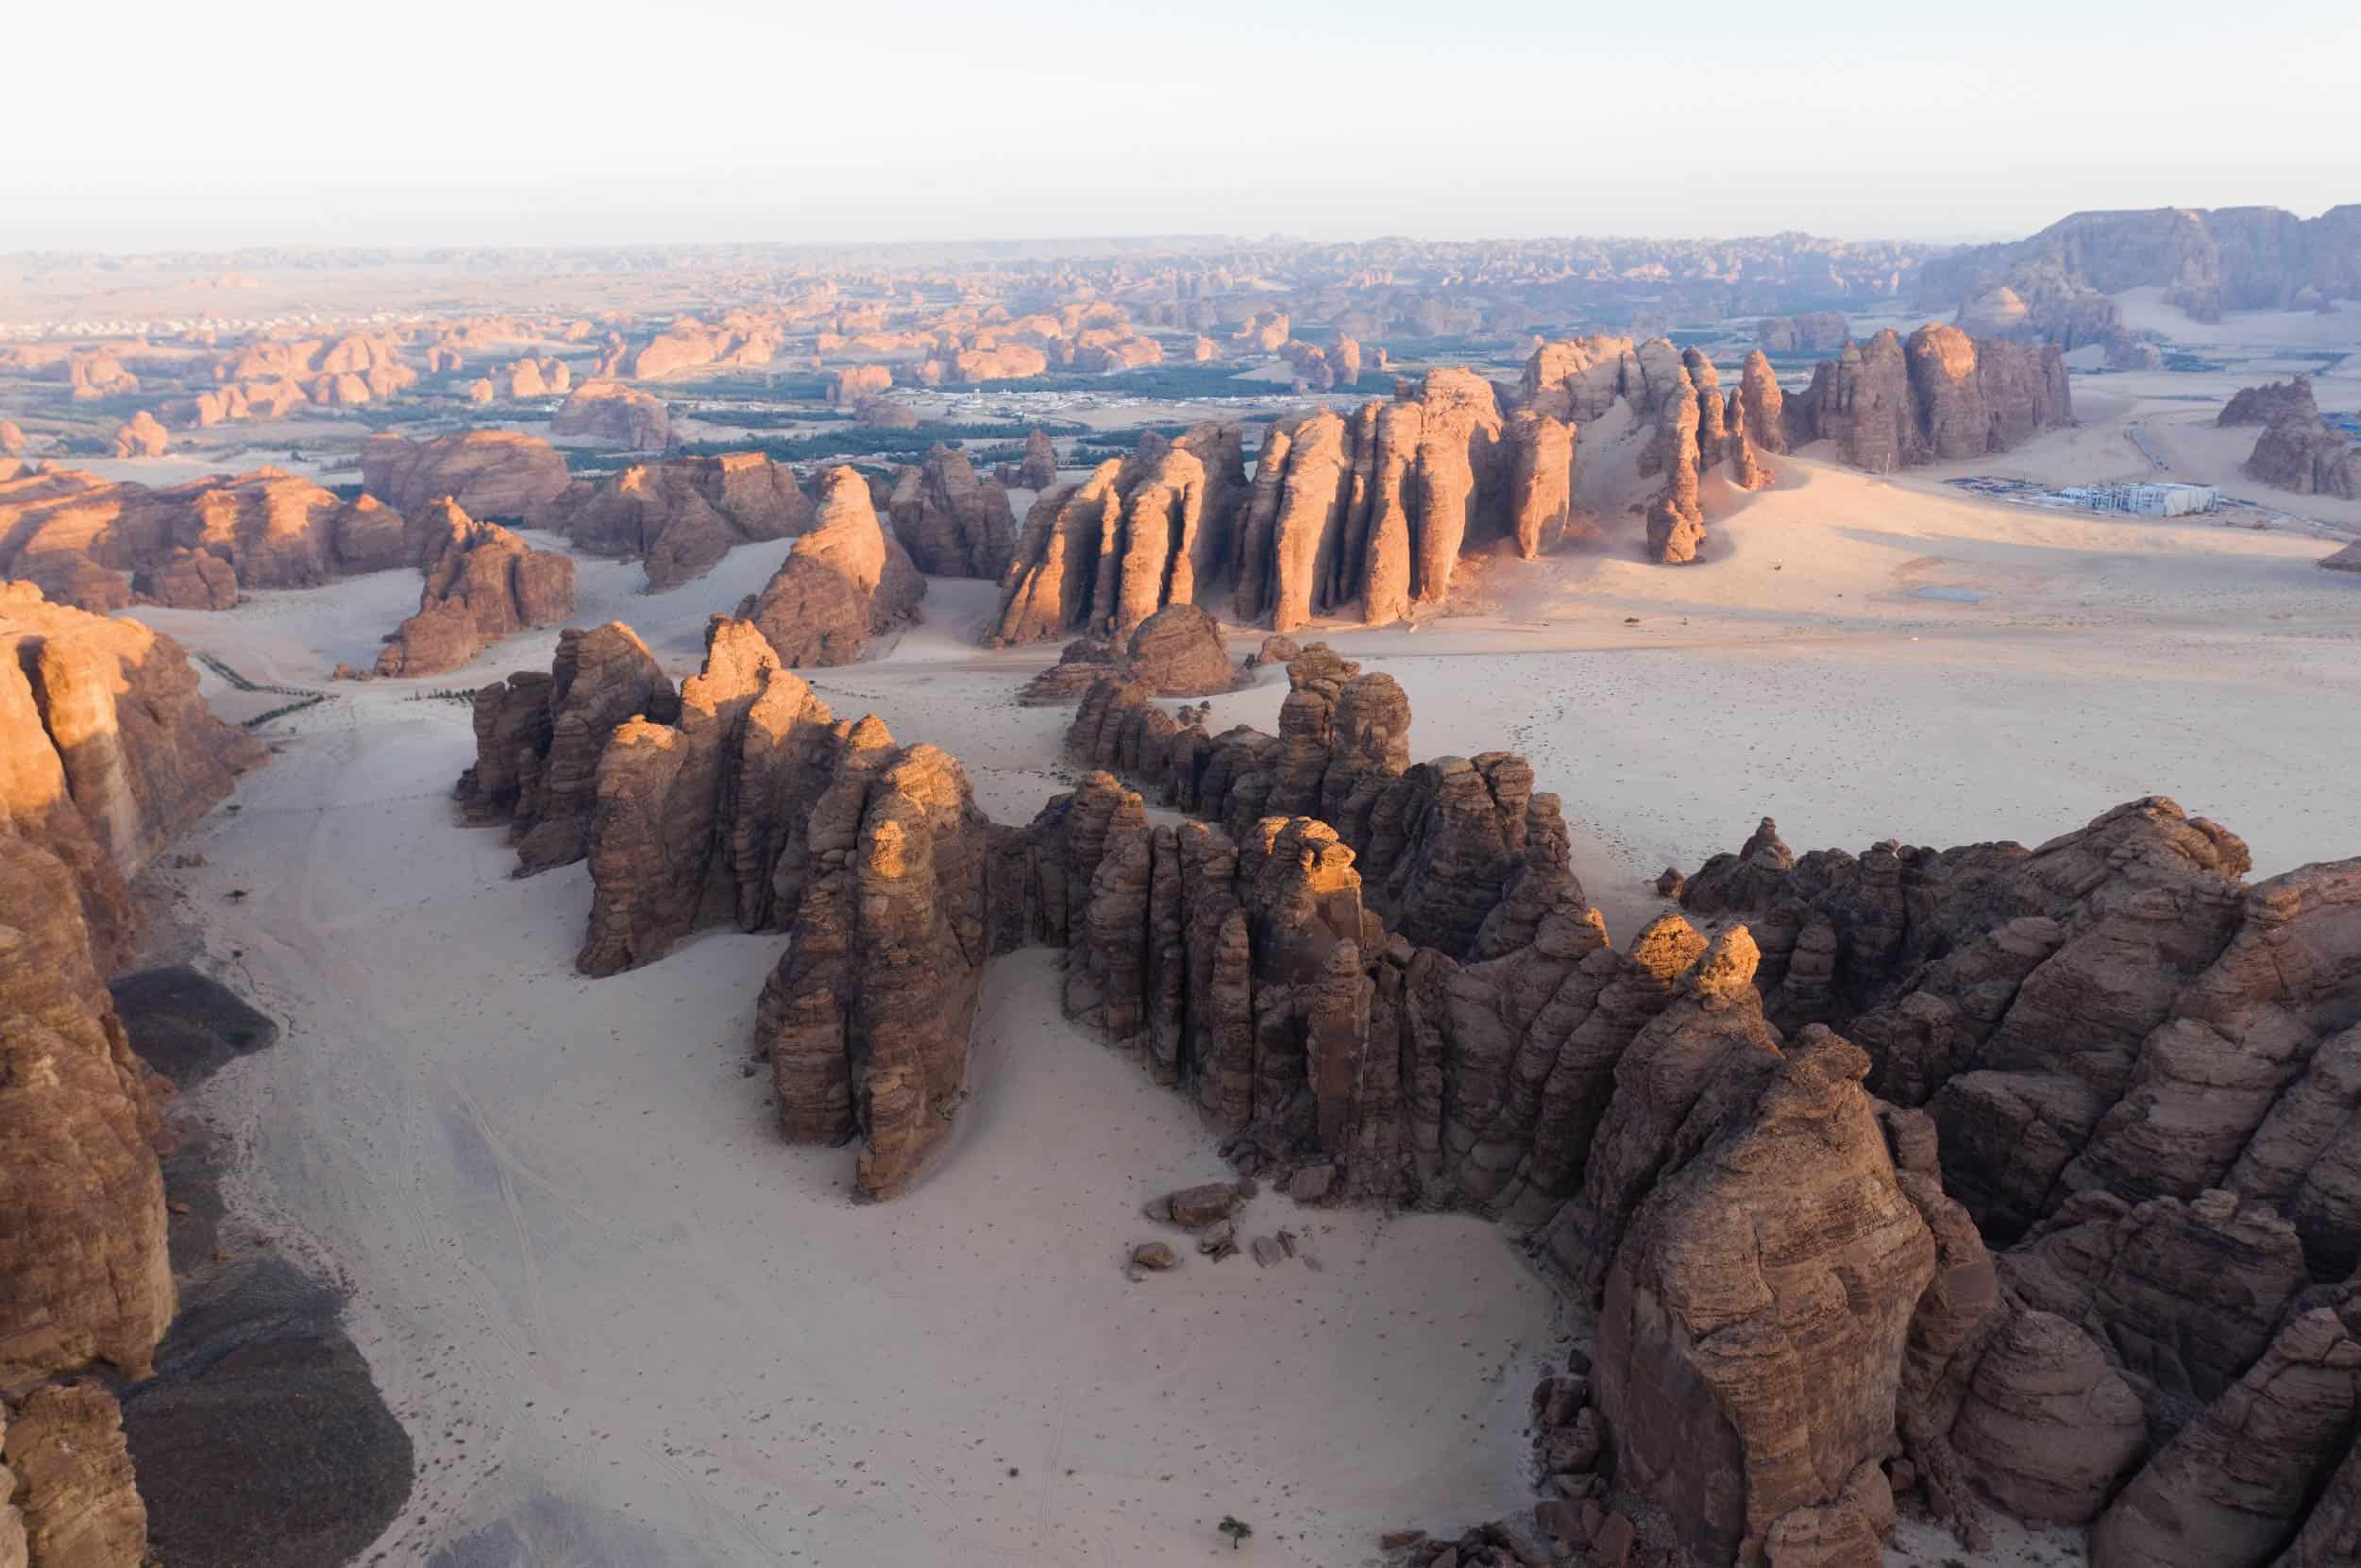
<point>186,1026</point>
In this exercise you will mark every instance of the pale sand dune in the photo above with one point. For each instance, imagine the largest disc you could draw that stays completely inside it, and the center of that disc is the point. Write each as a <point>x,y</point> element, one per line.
<point>624,1323</point>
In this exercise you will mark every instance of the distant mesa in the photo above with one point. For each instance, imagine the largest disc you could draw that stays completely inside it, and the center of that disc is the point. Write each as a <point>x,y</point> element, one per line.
<point>488,473</point>
<point>610,411</point>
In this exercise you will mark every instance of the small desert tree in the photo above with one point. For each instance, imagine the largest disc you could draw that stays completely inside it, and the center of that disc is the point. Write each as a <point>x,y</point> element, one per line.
<point>1237,1530</point>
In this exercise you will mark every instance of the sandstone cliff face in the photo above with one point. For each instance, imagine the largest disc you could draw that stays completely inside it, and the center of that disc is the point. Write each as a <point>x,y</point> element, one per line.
<point>107,751</point>
<point>482,584</point>
<point>100,546</point>
<point>867,1017</point>
<point>539,738</point>
<point>490,473</point>
<point>1752,1336</point>
<point>1038,470</point>
<point>682,516</point>
<point>1102,556</point>
<point>75,1503</point>
<point>2296,451</point>
<point>141,436</point>
<point>845,581</point>
<point>952,523</point>
<point>1943,396</point>
<point>610,411</point>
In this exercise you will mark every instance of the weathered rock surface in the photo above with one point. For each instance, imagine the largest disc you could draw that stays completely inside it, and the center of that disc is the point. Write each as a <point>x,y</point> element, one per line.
<point>844,582</point>
<point>1176,652</point>
<point>612,412</point>
<point>1038,470</point>
<point>1751,1340</point>
<point>539,737</point>
<point>2297,449</point>
<point>952,523</point>
<point>75,1492</point>
<point>1940,397</point>
<point>1814,333</point>
<point>482,584</point>
<point>106,750</point>
<point>681,515</point>
<point>498,474</point>
<point>141,436</point>
<point>100,545</point>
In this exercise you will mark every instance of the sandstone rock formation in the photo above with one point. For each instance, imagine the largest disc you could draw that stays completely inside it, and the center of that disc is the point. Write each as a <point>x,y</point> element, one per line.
<point>843,582</point>
<point>2346,559</point>
<point>74,1495</point>
<point>1814,333</point>
<point>610,411</point>
<point>539,737</point>
<point>952,523</point>
<point>1038,470</point>
<point>1176,652</point>
<point>1102,556</point>
<point>141,436</point>
<point>11,439</point>
<point>681,515</point>
<point>482,584</point>
<point>2297,449</point>
<point>496,474</point>
<point>105,752</point>
<point>858,384</point>
<point>1940,397</point>
<point>99,545</point>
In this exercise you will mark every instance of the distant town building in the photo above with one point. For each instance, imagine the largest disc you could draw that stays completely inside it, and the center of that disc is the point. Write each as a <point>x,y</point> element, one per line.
<point>2144,500</point>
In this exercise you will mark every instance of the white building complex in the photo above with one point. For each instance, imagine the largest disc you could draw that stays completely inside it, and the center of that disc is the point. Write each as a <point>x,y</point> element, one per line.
<point>2146,500</point>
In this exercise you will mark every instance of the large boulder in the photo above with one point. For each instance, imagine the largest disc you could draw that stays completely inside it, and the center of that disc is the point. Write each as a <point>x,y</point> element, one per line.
<point>482,584</point>
<point>845,581</point>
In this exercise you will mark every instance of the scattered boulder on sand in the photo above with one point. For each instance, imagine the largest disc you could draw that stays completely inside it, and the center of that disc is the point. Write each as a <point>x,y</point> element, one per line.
<point>482,584</point>
<point>843,582</point>
<point>612,412</point>
<point>488,473</point>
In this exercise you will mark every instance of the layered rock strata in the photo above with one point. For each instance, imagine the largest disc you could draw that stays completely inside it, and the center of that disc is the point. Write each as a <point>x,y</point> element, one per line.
<point>1937,398</point>
<point>618,414</point>
<point>1176,652</point>
<point>845,581</point>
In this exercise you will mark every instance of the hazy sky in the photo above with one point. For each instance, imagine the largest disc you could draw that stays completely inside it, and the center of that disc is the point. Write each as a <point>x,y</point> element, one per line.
<point>142,125</point>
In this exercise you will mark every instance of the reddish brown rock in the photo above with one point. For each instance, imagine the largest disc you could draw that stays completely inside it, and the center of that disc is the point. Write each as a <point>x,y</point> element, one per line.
<point>2297,449</point>
<point>843,582</point>
<point>1541,479</point>
<point>952,523</point>
<point>682,516</point>
<point>1751,1340</point>
<point>2048,1429</point>
<point>482,584</point>
<point>2269,403</point>
<point>612,413</point>
<point>498,474</point>
<point>1038,470</point>
<point>1942,397</point>
<point>74,1490</point>
<point>1815,333</point>
<point>141,436</point>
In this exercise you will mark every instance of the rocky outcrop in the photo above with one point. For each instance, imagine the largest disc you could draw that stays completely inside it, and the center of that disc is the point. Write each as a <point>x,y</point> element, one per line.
<point>1038,470</point>
<point>1941,396</point>
<point>614,413</point>
<point>2269,403</point>
<point>106,750</point>
<point>101,546</point>
<point>2297,449</point>
<point>75,1502</point>
<point>858,384</point>
<point>496,473</point>
<point>539,737</point>
<point>1814,333</point>
<point>1100,557</point>
<point>952,523</point>
<point>845,581</point>
<point>2346,559</point>
<point>141,436</point>
<point>682,516</point>
<point>1751,1343</point>
<point>866,1019</point>
<point>482,584</point>
<point>1176,652</point>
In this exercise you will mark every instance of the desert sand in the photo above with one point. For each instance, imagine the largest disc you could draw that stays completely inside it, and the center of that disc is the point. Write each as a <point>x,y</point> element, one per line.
<point>623,1323</point>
